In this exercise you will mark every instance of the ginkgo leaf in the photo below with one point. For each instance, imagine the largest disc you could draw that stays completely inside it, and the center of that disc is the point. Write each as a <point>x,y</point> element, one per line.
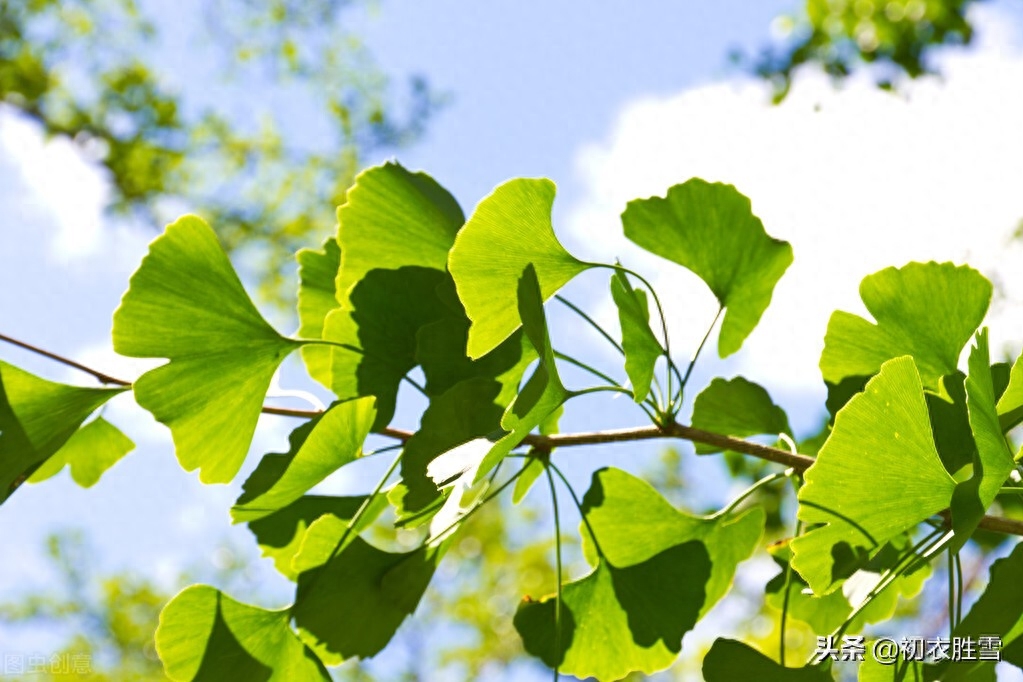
<point>618,503</point>
<point>205,636</point>
<point>534,465</point>
<point>335,440</point>
<point>877,476</point>
<point>927,310</point>
<point>619,620</point>
<point>710,229</point>
<point>992,459</point>
<point>1010,404</point>
<point>186,303</point>
<point>467,411</point>
<point>729,660</point>
<point>543,393</point>
<point>352,605</point>
<point>317,296</point>
<point>638,341</point>
<point>37,418</point>
<point>385,312</point>
<point>393,218</point>
<point>89,453</point>
<point>510,229</point>
<point>737,407</point>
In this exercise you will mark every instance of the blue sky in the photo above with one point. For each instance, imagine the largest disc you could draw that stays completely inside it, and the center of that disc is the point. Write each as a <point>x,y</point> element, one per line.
<point>612,105</point>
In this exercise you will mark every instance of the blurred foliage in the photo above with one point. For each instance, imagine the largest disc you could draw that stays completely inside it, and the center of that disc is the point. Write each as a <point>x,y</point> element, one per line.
<point>894,37</point>
<point>258,119</point>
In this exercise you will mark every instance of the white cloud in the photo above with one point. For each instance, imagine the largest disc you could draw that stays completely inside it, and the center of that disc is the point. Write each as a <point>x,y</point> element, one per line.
<point>856,179</point>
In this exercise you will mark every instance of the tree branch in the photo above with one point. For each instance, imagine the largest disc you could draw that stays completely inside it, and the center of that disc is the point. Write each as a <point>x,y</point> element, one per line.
<point>798,462</point>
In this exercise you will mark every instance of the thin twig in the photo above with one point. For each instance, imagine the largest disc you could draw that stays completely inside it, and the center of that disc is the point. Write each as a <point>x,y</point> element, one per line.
<point>102,377</point>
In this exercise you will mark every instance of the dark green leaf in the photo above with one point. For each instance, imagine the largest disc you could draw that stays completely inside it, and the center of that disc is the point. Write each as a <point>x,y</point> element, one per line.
<point>737,407</point>
<point>877,476</point>
<point>335,440</point>
<point>509,230</point>
<point>620,620</point>
<point>729,660</point>
<point>317,273</point>
<point>37,418</point>
<point>185,303</point>
<point>710,229</point>
<point>89,453</point>
<point>641,346</point>
<point>927,310</point>
<point>205,636</point>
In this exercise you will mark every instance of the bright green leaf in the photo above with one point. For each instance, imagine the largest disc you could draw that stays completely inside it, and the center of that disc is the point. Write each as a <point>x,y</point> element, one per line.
<point>638,341</point>
<point>185,303</point>
<point>618,620</point>
<point>927,310</point>
<point>509,230</point>
<point>737,407</point>
<point>37,418</point>
<point>1010,404</point>
<point>352,605</point>
<point>89,453</point>
<point>393,218</point>
<point>335,440</point>
<point>317,273</point>
<point>992,459</point>
<point>710,229</point>
<point>618,503</point>
<point>543,393</point>
<point>205,636</point>
<point>878,475</point>
<point>729,660</point>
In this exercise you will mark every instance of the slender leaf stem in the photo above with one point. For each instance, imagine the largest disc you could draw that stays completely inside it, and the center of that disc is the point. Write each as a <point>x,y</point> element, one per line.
<point>767,480</point>
<point>696,355</point>
<point>593,323</point>
<point>959,590</point>
<point>582,365</point>
<point>419,388</point>
<point>479,505</point>
<point>579,506</point>
<point>951,595</point>
<point>557,558</point>
<point>785,601</point>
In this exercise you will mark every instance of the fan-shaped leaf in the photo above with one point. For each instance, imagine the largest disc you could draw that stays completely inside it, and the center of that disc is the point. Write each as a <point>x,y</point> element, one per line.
<point>927,310</point>
<point>335,440</point>
<point>205,636</point>
<point>317,273</point>
<point>710,229</point>
<point>878,475</point>
<point>620,620</point>
<point>638,341</point>
<point>89,453</point>
<point>185,303</point>
<point>730,660</point>
<point>737,407</point>
<point>509,230</point>
<point>37,418</point>
<point>1010,404</point>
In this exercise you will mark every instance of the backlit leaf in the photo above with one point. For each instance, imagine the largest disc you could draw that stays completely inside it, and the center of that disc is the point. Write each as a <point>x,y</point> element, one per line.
<point>641,346</point>
<point>205,636</point>
<point>185,303</point>
<point>737,407</point>
<point>89,453</point>
<point>509,230</point>
<point>317,273</point>
<point>37,418</point>
<point>710,229</point>
<point>1010,404</point>
<point>877,476</point>
<point>927,310</point>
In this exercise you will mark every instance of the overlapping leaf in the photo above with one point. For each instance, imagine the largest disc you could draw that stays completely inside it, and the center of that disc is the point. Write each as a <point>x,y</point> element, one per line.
<point>38,418</point>
<point>1010,404</point>
<point>638,341</point>
<point>543,393</point>
<point>317,296</point>
<point>619,620</point>
<point>89,453</point>
<point>509,230</point>
<point>927,310</point>
<point>730,660</point>
<point>352,605</point>
<point>710,229</point>
<point>992,459</point>
<point>391,219</point>
<point>877,476</point>
<point>205,636</point>
<point>737,407</point>
<point>186,304</point>
<point>335,440</point>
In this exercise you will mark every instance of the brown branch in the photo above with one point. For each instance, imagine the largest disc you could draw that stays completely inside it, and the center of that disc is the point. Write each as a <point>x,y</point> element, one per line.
<point>798,462</point>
